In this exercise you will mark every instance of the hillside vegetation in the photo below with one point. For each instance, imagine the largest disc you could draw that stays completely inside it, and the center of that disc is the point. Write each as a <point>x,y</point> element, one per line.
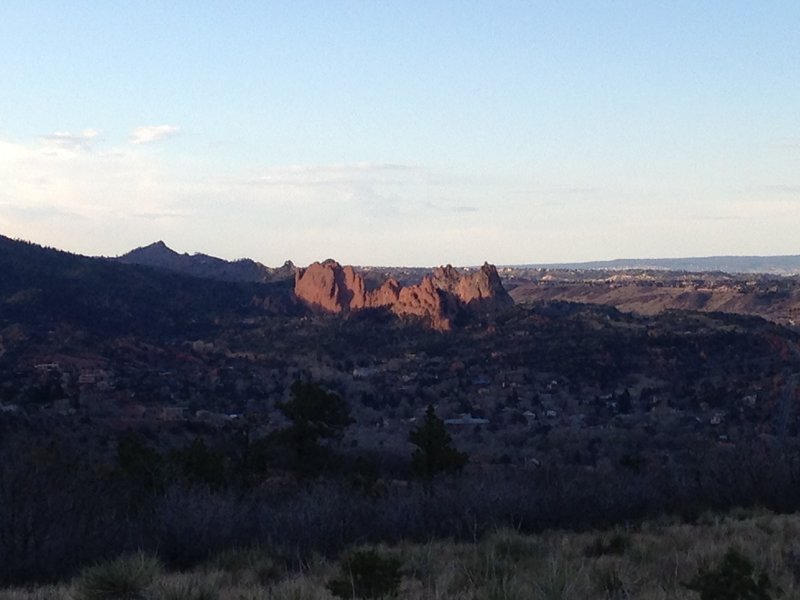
<point>213,438</point>
<point>656,560</point>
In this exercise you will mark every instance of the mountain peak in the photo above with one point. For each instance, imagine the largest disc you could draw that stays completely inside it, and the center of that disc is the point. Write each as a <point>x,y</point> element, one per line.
<point>154,249</point>
<point>161,256</point>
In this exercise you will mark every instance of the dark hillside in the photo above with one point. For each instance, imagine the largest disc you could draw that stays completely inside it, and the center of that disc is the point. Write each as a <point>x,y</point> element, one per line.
<point>42,287</point>
<point>205,266</point>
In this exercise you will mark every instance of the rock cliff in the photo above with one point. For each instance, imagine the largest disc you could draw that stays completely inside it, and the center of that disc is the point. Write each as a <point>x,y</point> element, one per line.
<point>438,299</point>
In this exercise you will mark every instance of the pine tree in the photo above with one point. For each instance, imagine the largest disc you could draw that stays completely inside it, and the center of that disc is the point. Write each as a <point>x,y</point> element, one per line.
<point>316,414</point>
<point>434,453</point>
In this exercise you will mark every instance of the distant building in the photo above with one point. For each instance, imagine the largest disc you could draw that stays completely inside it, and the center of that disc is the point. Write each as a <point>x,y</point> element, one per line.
<point>466,420</point>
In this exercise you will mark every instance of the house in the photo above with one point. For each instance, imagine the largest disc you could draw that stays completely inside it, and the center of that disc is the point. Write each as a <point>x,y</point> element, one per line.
<point>750,400</point>
<point>481,381</point>
<point>201,346</point>
<point>466,419</point>
<point>364,372</point>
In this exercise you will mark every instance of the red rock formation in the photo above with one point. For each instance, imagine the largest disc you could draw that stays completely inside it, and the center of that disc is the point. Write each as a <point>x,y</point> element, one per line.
<point>438,298</point>
<point>323,285</point>
<point>386,295</point>
<point>426,300</point>
<point>483,288</point>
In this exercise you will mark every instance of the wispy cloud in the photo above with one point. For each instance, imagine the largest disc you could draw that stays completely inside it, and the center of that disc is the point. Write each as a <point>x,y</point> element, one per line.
<point>784,189</point>
<point>712,218</point>
<point>363,193</point>
<point>449,207</point>
<point>161,214</point>
<point>71,141</point>
<point>309,175</point>
<point>152,133</point>
<point>58,175</point>
<point>574,191</point>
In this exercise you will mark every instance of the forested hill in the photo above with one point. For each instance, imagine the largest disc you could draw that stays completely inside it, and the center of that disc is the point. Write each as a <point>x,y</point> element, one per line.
<point>46,287</point>
<point>205,266</point>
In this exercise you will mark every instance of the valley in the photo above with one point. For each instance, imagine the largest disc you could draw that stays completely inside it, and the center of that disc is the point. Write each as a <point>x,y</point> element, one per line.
<point>580,399</point>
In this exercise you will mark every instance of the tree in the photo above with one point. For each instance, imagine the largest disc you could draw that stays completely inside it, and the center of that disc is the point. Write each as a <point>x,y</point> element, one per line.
<point>140,464</point>
<point>200,465</point>
<point>434,453</point>
<point>624,405</point>
<point>316,414</point>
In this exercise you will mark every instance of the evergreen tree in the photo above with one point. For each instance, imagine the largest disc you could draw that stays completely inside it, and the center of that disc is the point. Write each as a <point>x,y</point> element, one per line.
<point>316,414</point>
<point>624,404</point>
<point>200,465</point>
<point>434,453</point>
<point>140,465</point>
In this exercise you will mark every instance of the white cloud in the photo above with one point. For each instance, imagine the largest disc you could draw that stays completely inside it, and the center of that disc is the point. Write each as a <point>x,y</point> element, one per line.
<point>56,192</point>
<point>71,141</point>
<point>152,133</point>
<point>66,190</point>
<point>784,189</point>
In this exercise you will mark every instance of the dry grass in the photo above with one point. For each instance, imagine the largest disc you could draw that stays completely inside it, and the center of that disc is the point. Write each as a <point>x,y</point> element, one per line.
<point>650,562</point>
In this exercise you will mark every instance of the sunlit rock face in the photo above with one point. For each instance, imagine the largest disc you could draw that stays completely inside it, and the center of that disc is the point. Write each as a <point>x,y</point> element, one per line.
<point>437,299</point>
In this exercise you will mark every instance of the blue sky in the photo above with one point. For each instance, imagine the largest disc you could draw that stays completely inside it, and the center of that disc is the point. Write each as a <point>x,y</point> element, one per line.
<point>402,132</point>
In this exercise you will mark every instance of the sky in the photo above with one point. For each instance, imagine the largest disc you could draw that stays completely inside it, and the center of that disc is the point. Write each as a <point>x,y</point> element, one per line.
<point>402,133</point>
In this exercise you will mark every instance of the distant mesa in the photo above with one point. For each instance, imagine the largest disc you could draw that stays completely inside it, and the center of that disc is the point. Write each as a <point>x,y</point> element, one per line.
<point>438,299</point>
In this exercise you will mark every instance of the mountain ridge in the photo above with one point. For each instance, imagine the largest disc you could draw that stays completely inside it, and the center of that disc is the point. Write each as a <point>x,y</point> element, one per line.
<point>784,264</point>
<point>161,256</point>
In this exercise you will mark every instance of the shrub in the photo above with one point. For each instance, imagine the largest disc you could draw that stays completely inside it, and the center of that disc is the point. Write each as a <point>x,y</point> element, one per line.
<point>514,546</point>
<point>735,578</point>
<point>186,589</point>
<point>609,582</point>
<point>616,545</point>
<point>248,563</point>
<point>125,578</point>
<point>367,574</point>
<point>560,580</point>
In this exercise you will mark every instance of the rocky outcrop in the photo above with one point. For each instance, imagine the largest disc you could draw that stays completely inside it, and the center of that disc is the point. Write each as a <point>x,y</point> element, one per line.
<point>323,285</point>
<point>438,299</point>
<point>481,289</point>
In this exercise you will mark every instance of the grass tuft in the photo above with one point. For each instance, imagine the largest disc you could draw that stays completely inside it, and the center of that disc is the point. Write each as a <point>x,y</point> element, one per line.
<point>124,578</point>
<point>186,588</point>
<point>248,565</point>
<point>367,574</point>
